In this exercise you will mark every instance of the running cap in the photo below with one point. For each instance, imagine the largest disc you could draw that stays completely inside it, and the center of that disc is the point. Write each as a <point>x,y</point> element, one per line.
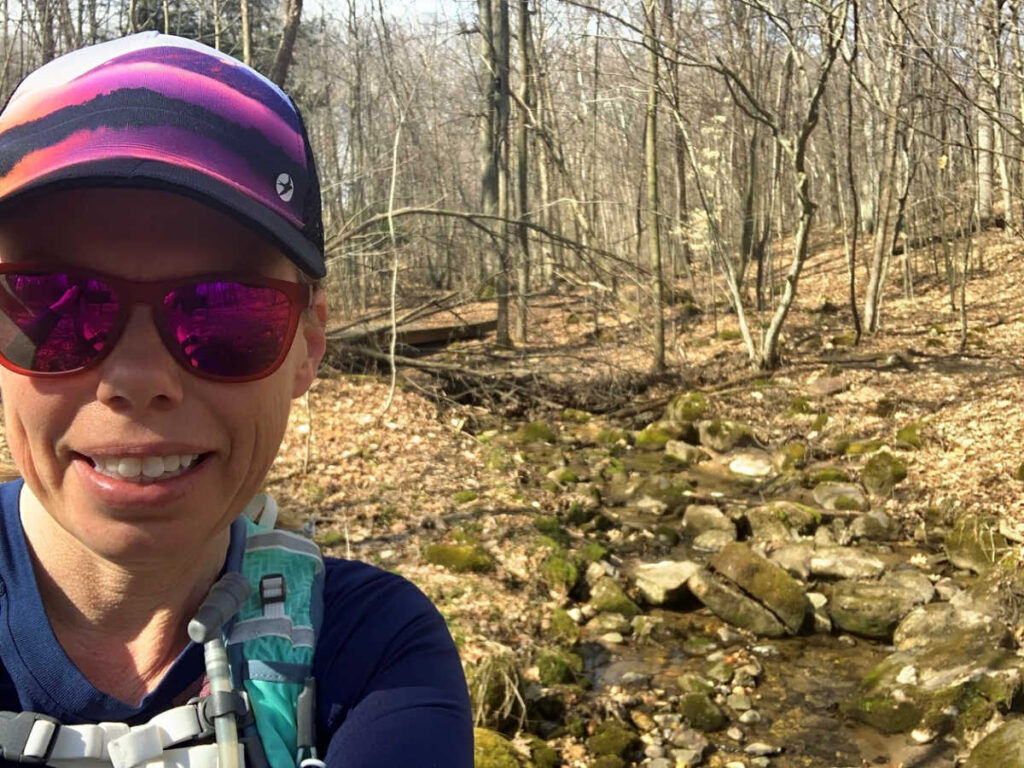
<point>158,111</point>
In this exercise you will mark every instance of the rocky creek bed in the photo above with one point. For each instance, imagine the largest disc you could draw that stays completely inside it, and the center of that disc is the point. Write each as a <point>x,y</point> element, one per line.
<point>726,600</point>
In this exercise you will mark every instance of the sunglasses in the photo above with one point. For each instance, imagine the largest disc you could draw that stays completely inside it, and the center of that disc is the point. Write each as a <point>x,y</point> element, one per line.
<point>225,327</point>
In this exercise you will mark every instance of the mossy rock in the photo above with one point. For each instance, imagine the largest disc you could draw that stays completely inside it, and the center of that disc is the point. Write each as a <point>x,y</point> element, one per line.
<point>460,558</point>
<point>701,712</point>
<point>827,475</point>
<point>961,681</point>
<point>847,339</point>
<point>492,750</point>
<point>464,497</point>
<point>800,405</point>
<point>862,447</point>
<point>563,630</point>
<point>606,596</point>
<point>686,408</point>
<point>612,436</point>
<point>574,416</point>
<point>533,432</point>
<point>559,573</point>
<point>1003,748</point>
<point>722,436</point>
<point>541,753</point>
<point>550,526</point>
<point>652,438</point>
<point>497,459</point>
<point>666,490</point>
<point>562,476</point>
<point>882,473</point>
<point>558,666</point>
<point>909,436</point>
<point>612,738</point>
<point>729,334</point>
<point>789,456</point>
<point>608,761</point>
<point>820,422</point>
<point>592,552</point>
<point>764,581</point>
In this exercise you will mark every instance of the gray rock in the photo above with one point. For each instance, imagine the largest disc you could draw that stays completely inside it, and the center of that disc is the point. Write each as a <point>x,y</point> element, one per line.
<point>723,436</point>
<point>1003,748</point>
<point>923,625</point>
<point>686,454</point>
<point>874,526</point>
<point>827,385</point>
<point>733,606</point>
<point>794,558</point>
<point>690,738</point>
<point>701,713</point>
<point>947,589</point>
<point>603,623</point>
<point>738,701</point>
<point>713,541</point>
<point>661,488</point>
<point>687,758</point>
<point>658,761</point>
<point>840,496</point>
<point>664,582</point>
<point>765,582</point>
<point>975,543</point>
<point>874,608</point>
<point>736,734</point>
<point>845,563</point>
<point>699,518</point>
<point>750,464</point>
<point>914,582</point>
<point>750,717</point>
<point>760,749</point>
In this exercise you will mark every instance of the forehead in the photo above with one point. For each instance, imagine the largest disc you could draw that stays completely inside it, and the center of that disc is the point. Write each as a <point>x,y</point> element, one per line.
<point>135,233</point>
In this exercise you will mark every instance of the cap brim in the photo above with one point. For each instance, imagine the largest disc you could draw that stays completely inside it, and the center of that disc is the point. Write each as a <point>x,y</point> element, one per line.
<point>152,174</point>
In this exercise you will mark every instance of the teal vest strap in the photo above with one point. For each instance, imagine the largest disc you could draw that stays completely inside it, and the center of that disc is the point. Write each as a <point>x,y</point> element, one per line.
<point>276,633</point>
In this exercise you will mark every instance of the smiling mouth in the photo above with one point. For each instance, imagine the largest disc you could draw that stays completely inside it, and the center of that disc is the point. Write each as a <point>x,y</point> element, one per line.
<point>145,469</point>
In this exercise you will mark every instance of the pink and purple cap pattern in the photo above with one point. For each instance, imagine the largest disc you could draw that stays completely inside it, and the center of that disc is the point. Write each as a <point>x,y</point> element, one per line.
<point>161,111</point>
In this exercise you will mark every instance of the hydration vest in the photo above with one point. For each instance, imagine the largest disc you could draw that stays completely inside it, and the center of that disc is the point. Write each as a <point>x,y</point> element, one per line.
<point>270,647</point>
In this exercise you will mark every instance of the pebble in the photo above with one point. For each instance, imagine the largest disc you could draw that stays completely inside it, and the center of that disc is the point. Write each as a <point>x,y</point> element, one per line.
<point>642,720</point>
<point>575,614</point>
<point>612,638</point>
<point>687,758</point>
<point>764,650</point>
<point>690,739</point>
<point>907,675</point>
<point>738,701</point>
<point>760,762</point>
<point>728,636</point>
<point>734,733</point>
<point>846,640</point>
<point>668,719</point>
<point>660,762</point>
<point>654,751</point>
<point>760,749</point>
<point>735,764</point>
<point>750,717</point>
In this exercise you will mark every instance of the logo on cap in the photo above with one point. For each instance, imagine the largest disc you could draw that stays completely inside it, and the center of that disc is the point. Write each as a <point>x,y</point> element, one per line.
<point>285,187</point>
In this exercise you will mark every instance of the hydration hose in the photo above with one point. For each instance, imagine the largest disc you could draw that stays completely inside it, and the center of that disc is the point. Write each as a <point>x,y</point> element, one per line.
<point>225,600</point>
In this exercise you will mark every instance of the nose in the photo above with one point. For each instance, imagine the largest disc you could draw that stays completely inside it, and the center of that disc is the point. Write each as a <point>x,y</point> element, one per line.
<point>139,373</point>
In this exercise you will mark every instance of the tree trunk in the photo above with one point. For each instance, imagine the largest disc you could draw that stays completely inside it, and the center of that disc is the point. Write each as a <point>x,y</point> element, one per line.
<point>285,50</point>
<point>653,203</point>
<point>522,168</point>
<point>246,33</point>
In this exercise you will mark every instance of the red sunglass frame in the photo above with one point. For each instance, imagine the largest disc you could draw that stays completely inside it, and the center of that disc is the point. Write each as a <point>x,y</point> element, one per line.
<point>130,293</point>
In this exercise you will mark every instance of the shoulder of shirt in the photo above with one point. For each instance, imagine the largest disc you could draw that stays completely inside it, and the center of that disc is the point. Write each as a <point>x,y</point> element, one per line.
<point>346,581</point>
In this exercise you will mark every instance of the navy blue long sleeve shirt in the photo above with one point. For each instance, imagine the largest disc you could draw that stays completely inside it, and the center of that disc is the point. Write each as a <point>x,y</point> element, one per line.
<point>390,687</point>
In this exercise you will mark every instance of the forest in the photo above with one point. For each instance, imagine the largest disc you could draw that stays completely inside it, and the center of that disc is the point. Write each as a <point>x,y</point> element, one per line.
<point>718,460</point>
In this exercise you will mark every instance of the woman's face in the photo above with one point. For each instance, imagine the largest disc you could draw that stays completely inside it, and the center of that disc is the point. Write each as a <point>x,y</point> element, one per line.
<point>138,403</point>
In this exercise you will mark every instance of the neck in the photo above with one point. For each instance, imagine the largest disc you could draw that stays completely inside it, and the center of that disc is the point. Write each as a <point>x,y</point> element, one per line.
<point>122,624</point>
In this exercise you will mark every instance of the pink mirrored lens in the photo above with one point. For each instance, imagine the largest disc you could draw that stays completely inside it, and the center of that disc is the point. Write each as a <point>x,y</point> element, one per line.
<point>228,329</point>
<point>54,323</point>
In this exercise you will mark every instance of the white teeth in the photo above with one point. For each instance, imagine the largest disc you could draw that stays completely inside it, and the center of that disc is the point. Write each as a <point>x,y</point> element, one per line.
<point>129,466</point>
<point>152,466</point>
<point>146,469</point>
